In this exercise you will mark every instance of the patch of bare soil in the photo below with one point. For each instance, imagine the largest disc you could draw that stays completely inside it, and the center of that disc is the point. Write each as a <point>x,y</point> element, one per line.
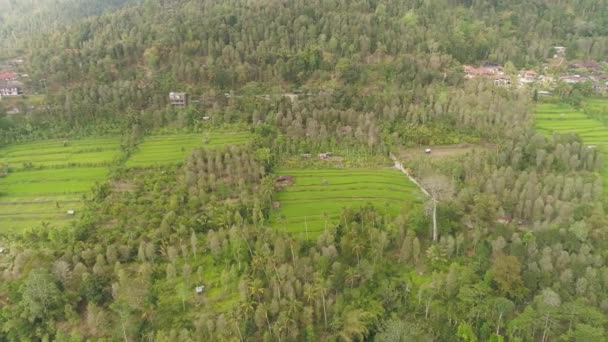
<point>123,186</point>
<point>283,181</point>
<point>442,151</point>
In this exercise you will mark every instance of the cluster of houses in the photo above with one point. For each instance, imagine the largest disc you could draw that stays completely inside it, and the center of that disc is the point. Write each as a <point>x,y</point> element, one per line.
<point>321,156</point>
<point>494,72</point>
<point>9,85</point>
<point>588,71</point>
<point>576,72</point>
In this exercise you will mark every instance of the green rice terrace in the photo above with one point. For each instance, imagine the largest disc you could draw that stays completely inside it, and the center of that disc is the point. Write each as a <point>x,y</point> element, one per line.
<point>46,180</point>
<point>173,149</point>
<point>310,199</point>
<point>563,118</point>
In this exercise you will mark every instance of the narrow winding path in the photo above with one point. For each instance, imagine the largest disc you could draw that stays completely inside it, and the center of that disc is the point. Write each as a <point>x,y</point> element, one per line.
<point>399,166</point>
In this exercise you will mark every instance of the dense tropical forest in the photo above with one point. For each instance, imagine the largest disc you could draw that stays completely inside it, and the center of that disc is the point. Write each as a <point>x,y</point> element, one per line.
<point>291,198</point>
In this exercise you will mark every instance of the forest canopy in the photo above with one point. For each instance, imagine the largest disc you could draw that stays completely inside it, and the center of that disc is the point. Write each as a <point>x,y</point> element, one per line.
<point>500,238</point>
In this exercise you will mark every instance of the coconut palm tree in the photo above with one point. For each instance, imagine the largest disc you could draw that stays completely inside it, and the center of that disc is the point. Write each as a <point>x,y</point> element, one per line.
<point>352,325</point>
<point>321,290</point>
<point>351,276</point>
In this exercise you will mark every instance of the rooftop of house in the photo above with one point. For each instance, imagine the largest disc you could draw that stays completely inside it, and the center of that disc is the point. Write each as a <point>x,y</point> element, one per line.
<point>7,76</point>
<point>590,64</point>
<point>6,83</point>
<point>573,78</point>
<point>483,70</point>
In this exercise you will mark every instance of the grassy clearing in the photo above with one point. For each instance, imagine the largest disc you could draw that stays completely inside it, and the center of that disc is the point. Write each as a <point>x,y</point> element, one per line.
<point>173,149</point>
<point>48,178</point>
<point>221,291</point>
<point>318,196</point>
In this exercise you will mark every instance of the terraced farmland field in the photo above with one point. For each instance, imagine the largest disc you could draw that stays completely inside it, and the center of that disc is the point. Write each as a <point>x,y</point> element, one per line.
<point>47,179</point>
<point>53,153</point>
<point>596,104</point>
<point>563,118</point>
<point>318,196</point>
<point>173,149</point>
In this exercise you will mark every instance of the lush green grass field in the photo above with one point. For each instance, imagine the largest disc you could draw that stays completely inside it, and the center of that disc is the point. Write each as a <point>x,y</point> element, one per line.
<point>318,196</point>
<point>221,291</point>
<point>563,118</point>
<point>48,178</point>
<point>173,149</point>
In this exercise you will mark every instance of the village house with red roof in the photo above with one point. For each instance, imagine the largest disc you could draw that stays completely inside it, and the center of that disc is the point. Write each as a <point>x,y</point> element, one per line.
<point>9,86</point>
<point>471,71</point>
<point>8,76</point>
